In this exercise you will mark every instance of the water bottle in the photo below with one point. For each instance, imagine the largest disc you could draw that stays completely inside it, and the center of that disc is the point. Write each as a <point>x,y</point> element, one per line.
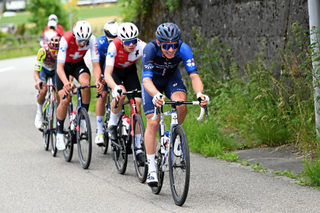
<point>72,119</point>
<point>125,124</point>
<point>165,151</point>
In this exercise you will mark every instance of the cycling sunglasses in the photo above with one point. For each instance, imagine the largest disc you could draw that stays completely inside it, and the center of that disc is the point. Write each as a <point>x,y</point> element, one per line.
<point>83,40</point>
<point>168,46</point>
<point>128,42</point>
<point>53,52</point>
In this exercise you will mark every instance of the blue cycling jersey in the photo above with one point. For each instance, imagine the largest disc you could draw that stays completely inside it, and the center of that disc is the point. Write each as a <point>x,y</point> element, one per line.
<point>154,63</point>
<point>103,50</point>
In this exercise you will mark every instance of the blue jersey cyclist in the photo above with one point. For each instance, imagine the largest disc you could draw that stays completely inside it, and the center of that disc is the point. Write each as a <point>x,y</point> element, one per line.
<point>110,32</point>
<point>160,73</point>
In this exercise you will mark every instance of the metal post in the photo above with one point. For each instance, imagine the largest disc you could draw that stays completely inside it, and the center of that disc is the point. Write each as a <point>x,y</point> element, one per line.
<point>70,15</point>
<point>314,21</point>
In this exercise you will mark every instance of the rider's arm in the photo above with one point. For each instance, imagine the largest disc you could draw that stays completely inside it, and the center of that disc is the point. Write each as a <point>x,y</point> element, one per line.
<point>38,66</point>
<point>110,59</point>
<point>95,62</point>
<point>149,86</point>
<point>196,83</point>
<point>61,59</point>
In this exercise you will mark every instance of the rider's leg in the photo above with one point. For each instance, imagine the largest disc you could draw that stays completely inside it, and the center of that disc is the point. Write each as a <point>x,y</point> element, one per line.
<point>182,109</point>
<point>100,111</point>
<point>151,141</point>
<point>84,80</point>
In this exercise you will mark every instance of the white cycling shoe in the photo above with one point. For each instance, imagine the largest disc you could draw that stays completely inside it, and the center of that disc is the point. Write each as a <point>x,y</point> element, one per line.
<point>152,179</point>
<point>38,121</point>
<point>60,142</point>
<point>99,140</point>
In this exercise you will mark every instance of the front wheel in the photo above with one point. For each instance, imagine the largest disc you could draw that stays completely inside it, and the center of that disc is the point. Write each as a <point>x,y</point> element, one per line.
<point>84,138</point>
<point>45,125</point>
<point>53,129</point>
<point>179,166</point>
<point>104,147</point>
<point>138,148</point>
<point>120,155</point>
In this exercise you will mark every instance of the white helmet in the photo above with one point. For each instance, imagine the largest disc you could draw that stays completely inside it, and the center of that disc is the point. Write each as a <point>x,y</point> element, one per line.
<point>53,17</point>
<point>82,30</point>
<point>110,29</point>
<point>53,24</point>
<point>127,30</point>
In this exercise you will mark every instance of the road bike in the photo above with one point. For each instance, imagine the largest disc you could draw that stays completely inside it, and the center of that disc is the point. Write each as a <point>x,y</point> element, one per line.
<point>126,139</point>
<point>48,127</point>
<point>104,146</point>
<point>77,129</point>
<point>173,152</point>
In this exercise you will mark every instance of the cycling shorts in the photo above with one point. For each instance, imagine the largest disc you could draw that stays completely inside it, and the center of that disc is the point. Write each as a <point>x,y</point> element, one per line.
<point>45,74</point>
<point>167,84</point>
<point>74,70</point>
<point>127,77</point>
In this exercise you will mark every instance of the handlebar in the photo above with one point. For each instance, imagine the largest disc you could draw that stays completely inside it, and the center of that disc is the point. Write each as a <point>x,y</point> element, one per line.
<point>76,88</point>
<point>132,92</point>
<point>178,103</point>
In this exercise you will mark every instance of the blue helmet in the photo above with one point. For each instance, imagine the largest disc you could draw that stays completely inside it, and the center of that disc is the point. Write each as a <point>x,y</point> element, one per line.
<point>168,32</point>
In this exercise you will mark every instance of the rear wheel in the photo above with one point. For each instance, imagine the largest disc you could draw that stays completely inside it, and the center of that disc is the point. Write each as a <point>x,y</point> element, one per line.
<point>53,130</point>
<point>68,138</point>
<point>84,138</point>
<point>104,147</point>
<point>138,146</point>
<point>179,166</point>
<point>45,125</point>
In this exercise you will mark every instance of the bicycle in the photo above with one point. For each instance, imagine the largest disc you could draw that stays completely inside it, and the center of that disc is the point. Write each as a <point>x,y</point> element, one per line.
<point>48,127</point>
<point>121,147</point>
<point>104,147</point>
<point>173,153</point>
<point>77,129</point>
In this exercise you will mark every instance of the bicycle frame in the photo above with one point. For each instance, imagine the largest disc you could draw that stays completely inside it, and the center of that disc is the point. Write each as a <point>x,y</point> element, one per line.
<point>51,96</point>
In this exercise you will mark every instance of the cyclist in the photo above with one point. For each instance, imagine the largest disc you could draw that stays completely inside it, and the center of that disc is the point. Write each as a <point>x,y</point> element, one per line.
<point>73,47</point>
<point>160,73</point>
<point>44,68</point>
<point>53,19</point>
<point>110,32</point>
<point>121,74</point>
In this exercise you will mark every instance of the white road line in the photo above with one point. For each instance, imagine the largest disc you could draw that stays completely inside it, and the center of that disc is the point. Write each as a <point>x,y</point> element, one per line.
<point>6,69</point>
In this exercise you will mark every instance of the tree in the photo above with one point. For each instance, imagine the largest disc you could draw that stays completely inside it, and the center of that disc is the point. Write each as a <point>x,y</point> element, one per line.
<point>41,9</point>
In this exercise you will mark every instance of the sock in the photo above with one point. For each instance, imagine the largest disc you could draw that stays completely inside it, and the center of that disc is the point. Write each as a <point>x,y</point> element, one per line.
<point>151,163</point>
<point>39,108</point>
<point>138,144</point>
<point>100,124</point>
<point>113,119</point>
<point>60,125</point>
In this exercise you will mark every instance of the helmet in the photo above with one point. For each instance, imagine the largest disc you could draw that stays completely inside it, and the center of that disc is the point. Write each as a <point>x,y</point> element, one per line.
<point>52,24</point>
<point>168,32</point>
<point>127,30</point>
<point>82,30</point>
<point>54,43</point>
<point>53,17</point>
<point>111,29</point>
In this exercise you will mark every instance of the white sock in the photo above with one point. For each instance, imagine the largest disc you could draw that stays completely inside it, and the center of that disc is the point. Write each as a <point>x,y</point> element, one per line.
<point>39,110</point>
<point>151,163</point>
<point>113,119</point>
<point>100,124</point>
<point>138,144</point>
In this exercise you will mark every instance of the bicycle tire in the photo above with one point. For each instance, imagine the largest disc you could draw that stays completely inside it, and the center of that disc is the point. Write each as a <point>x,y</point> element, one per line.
<point>45,126</point>
<point>68,137</point>
<point>141,170</point>
<point>120,155</point>
<point>104,147</point>
<point>84,139</point>
<point>53,130</point>
<point>179,167</point>
<point>158,160</point>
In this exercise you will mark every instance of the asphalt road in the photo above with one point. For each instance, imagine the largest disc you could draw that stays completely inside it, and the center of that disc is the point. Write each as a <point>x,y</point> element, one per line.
<point>31,180</point>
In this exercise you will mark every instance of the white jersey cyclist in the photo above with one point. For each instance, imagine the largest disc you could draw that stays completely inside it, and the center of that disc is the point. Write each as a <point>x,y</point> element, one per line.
<point>119,58</point>
<point>71,53</point>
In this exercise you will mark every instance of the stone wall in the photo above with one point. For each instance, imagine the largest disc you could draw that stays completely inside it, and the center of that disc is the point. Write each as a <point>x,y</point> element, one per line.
<point>241,24</point>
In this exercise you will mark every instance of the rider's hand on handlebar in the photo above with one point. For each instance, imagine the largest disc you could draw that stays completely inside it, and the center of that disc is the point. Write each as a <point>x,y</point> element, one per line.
<point>99,87</point>
<point>158,99</point>
<point>204,99</point>
<point>115,92</point>
<point>68,87</point>
<point>37,86</point>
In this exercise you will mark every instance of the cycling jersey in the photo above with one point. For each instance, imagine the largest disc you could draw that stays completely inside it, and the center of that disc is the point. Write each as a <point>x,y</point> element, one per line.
<point>59,30</point>
<point>154,63</point>
<point>71,53</point>
<point>45,59</point>
<point>119,58</point>
<point>103,45</point>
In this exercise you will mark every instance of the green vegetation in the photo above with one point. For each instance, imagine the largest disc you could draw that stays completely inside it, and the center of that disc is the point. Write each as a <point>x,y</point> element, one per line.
<point>94,12</point>
<point>20,18</point>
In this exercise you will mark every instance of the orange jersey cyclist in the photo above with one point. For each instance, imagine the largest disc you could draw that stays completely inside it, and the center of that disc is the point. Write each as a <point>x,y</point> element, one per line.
<point>73,47</point>
<point>121,73</point>
<point>45,67</point>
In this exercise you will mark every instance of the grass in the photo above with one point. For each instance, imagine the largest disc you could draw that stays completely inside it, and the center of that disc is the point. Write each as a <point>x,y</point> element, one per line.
<point>20,18</point>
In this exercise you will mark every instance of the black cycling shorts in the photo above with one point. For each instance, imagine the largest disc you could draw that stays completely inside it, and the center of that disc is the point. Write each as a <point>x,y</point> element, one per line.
<point>74,70</point>
<point>127,77</point>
